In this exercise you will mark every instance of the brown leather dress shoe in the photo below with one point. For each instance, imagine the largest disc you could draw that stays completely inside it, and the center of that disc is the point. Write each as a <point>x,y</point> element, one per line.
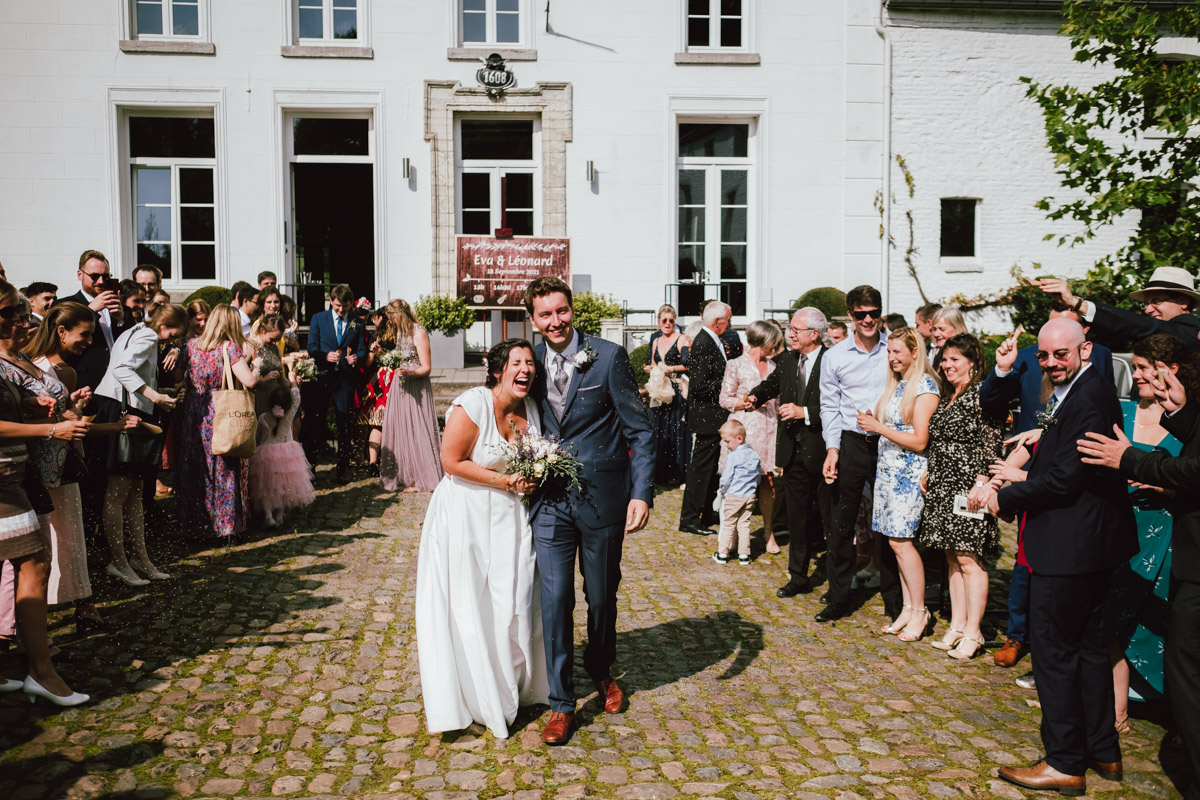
<point>558,729</point>
<point>1044,777</point>
<point>1010,653</point>
<point>1110,771</point>
<point>611,695</point>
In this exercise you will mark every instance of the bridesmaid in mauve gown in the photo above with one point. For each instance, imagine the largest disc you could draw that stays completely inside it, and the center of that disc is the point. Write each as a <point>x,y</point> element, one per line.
<point>410,456</point>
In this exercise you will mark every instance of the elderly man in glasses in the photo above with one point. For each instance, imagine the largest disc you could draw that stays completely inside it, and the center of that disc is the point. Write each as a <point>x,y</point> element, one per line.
<point>853,375</point>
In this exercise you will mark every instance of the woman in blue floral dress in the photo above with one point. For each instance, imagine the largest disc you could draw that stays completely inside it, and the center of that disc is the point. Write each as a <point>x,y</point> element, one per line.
<point>902,421</point>
<point>213,496</point>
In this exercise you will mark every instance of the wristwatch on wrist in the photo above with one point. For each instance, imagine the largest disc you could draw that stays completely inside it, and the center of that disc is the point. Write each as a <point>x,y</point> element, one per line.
<point>1078,307</point>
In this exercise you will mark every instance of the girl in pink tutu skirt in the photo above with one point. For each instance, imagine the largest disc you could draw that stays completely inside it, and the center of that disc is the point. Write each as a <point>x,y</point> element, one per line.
<point>280,476</point>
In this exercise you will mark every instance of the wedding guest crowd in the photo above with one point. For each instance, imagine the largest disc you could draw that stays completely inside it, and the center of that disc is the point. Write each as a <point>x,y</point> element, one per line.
<point>97,390</point>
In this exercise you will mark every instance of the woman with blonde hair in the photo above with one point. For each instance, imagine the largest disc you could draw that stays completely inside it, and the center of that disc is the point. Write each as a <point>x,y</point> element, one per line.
<point>946,323</point>
<point>213,496</point>
<point>901,419</point>
<point>410,446</point>
<point>742,374</point>
<point>669,351</point>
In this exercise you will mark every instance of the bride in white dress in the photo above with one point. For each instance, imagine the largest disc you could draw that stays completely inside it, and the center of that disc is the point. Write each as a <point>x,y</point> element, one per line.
<point>479,624</point>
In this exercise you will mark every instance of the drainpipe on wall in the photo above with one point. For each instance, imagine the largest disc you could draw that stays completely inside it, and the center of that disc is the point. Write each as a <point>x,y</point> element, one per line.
<point>885,284</point>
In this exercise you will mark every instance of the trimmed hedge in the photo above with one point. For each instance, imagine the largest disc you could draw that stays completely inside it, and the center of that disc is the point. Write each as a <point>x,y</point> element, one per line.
<point>830,301</point>
<point>213,295</point>
<point>639,358</point>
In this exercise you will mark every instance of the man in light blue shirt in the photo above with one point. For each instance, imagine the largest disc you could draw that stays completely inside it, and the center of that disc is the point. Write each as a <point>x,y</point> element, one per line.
<point>853,376</point>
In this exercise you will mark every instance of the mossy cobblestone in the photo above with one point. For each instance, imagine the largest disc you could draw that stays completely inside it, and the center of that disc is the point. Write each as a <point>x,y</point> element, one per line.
<point>286,666</point>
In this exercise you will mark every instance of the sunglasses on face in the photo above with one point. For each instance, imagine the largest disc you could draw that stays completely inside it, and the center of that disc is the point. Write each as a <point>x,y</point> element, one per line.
<point>96,276</point>
<point>12,313</point>
<point>866,313</point>
<point>1059,355</point>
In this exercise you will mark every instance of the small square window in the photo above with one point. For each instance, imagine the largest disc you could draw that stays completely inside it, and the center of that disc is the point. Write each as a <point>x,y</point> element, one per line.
<point>716,24</point>
<point>958,227</point>
<point>491,23</point>
<point>328,21</point>
<point>166,19</point>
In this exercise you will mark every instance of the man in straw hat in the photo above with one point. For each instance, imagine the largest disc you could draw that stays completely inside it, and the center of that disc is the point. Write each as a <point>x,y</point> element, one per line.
<point>1170,296</point>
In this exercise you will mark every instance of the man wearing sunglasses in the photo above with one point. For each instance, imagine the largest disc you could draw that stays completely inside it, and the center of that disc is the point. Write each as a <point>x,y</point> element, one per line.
<point>1169,298</point>
<point>853,376</point>
<point>99,291</point>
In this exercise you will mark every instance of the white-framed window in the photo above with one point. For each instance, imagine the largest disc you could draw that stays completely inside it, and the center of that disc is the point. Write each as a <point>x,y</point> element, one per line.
<point>171,162</point>
<point>169,19</point>
<point>493,23</point>
<point>717,25</point>
<point>714,214</point>
<point>329,21</point>
<point>498,174</point>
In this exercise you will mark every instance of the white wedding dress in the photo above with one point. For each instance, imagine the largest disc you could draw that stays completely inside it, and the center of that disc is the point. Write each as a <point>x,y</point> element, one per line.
<point>479,622</point>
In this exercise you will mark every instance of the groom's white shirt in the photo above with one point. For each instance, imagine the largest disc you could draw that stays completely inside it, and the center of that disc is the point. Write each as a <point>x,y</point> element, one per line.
<point>568,353</point>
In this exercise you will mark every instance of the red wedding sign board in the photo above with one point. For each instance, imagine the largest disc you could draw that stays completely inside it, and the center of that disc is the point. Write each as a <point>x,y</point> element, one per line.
<point>494,273</point>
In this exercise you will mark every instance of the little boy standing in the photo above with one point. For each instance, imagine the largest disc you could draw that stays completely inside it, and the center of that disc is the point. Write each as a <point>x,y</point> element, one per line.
<point>737,490</point>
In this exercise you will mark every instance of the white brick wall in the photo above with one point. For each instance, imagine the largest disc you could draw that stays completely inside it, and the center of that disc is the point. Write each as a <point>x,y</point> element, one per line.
<point>961,120</point>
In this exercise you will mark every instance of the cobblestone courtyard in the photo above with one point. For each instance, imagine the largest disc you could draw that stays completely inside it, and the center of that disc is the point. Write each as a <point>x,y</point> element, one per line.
<point>286,666</point>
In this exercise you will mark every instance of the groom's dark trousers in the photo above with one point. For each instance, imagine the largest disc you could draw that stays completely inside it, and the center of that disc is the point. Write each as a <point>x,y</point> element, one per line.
<point>556,539</point>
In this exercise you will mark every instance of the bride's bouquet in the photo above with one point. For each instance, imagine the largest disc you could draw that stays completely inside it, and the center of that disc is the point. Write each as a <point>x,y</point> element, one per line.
<point>305,369</point>
<point>545,460</point>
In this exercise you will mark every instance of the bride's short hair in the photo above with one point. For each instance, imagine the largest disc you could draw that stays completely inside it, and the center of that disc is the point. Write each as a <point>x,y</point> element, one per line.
<point>497,357</point>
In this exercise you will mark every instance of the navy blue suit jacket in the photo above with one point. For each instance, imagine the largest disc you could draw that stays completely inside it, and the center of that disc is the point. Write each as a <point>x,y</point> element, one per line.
<point>1079,517</point>
<point>609,428</point>
<point>1029,379</point>
<point>340,379</point>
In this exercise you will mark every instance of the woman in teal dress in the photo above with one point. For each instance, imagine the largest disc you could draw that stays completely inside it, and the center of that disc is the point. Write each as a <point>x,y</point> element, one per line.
<point>1138,612</point>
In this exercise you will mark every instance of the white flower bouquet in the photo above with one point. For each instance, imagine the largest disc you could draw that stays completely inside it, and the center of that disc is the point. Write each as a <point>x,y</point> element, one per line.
<point>391,359</point>
<point>545,460</point>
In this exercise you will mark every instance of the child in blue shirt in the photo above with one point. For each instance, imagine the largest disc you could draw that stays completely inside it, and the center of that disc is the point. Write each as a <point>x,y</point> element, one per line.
<point>737,488</point>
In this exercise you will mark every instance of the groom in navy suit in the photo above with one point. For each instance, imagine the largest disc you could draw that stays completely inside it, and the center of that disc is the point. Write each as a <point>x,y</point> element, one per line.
<point>337,341</point>
<point>589,399</point>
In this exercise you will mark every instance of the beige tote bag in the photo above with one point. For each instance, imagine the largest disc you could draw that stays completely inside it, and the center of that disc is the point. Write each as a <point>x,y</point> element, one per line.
<point>234,421</point>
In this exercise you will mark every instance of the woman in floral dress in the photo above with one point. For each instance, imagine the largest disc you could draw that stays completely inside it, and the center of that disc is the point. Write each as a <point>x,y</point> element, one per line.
<point>964,440</point>
<point>901,419</point>
<point>741,375</point>
<point>213,496</point>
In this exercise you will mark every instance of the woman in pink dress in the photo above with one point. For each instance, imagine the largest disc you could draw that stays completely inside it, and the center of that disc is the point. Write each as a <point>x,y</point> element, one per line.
<point>411,447</point>
<point>212,493</point>
<point>742,374</point>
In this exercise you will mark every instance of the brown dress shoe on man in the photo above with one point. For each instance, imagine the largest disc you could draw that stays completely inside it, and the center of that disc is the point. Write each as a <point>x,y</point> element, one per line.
<point>558,729</point>
<point>1044,777</point>
<point>1110,771</point>
<point>610,694</point>
<point>1010,653</point>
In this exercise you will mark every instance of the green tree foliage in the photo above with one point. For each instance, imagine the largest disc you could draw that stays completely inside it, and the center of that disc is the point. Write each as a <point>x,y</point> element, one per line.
<point>830,301</point>
<point>1127,144</point>
<point>438,312</point>
<point>213,295</point>
<point>590,308</point>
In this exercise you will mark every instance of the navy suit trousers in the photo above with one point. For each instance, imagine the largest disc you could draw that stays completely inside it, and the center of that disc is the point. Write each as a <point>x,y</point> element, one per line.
<point>556,540</point>
<point>1072,669</point>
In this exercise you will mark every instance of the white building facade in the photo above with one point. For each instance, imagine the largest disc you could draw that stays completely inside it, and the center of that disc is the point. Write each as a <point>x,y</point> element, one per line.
<point>687,148</point>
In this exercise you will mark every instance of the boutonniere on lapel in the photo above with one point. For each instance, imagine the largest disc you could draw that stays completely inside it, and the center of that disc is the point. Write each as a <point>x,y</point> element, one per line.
<point>1046,421</point>
<point>584,356</point>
